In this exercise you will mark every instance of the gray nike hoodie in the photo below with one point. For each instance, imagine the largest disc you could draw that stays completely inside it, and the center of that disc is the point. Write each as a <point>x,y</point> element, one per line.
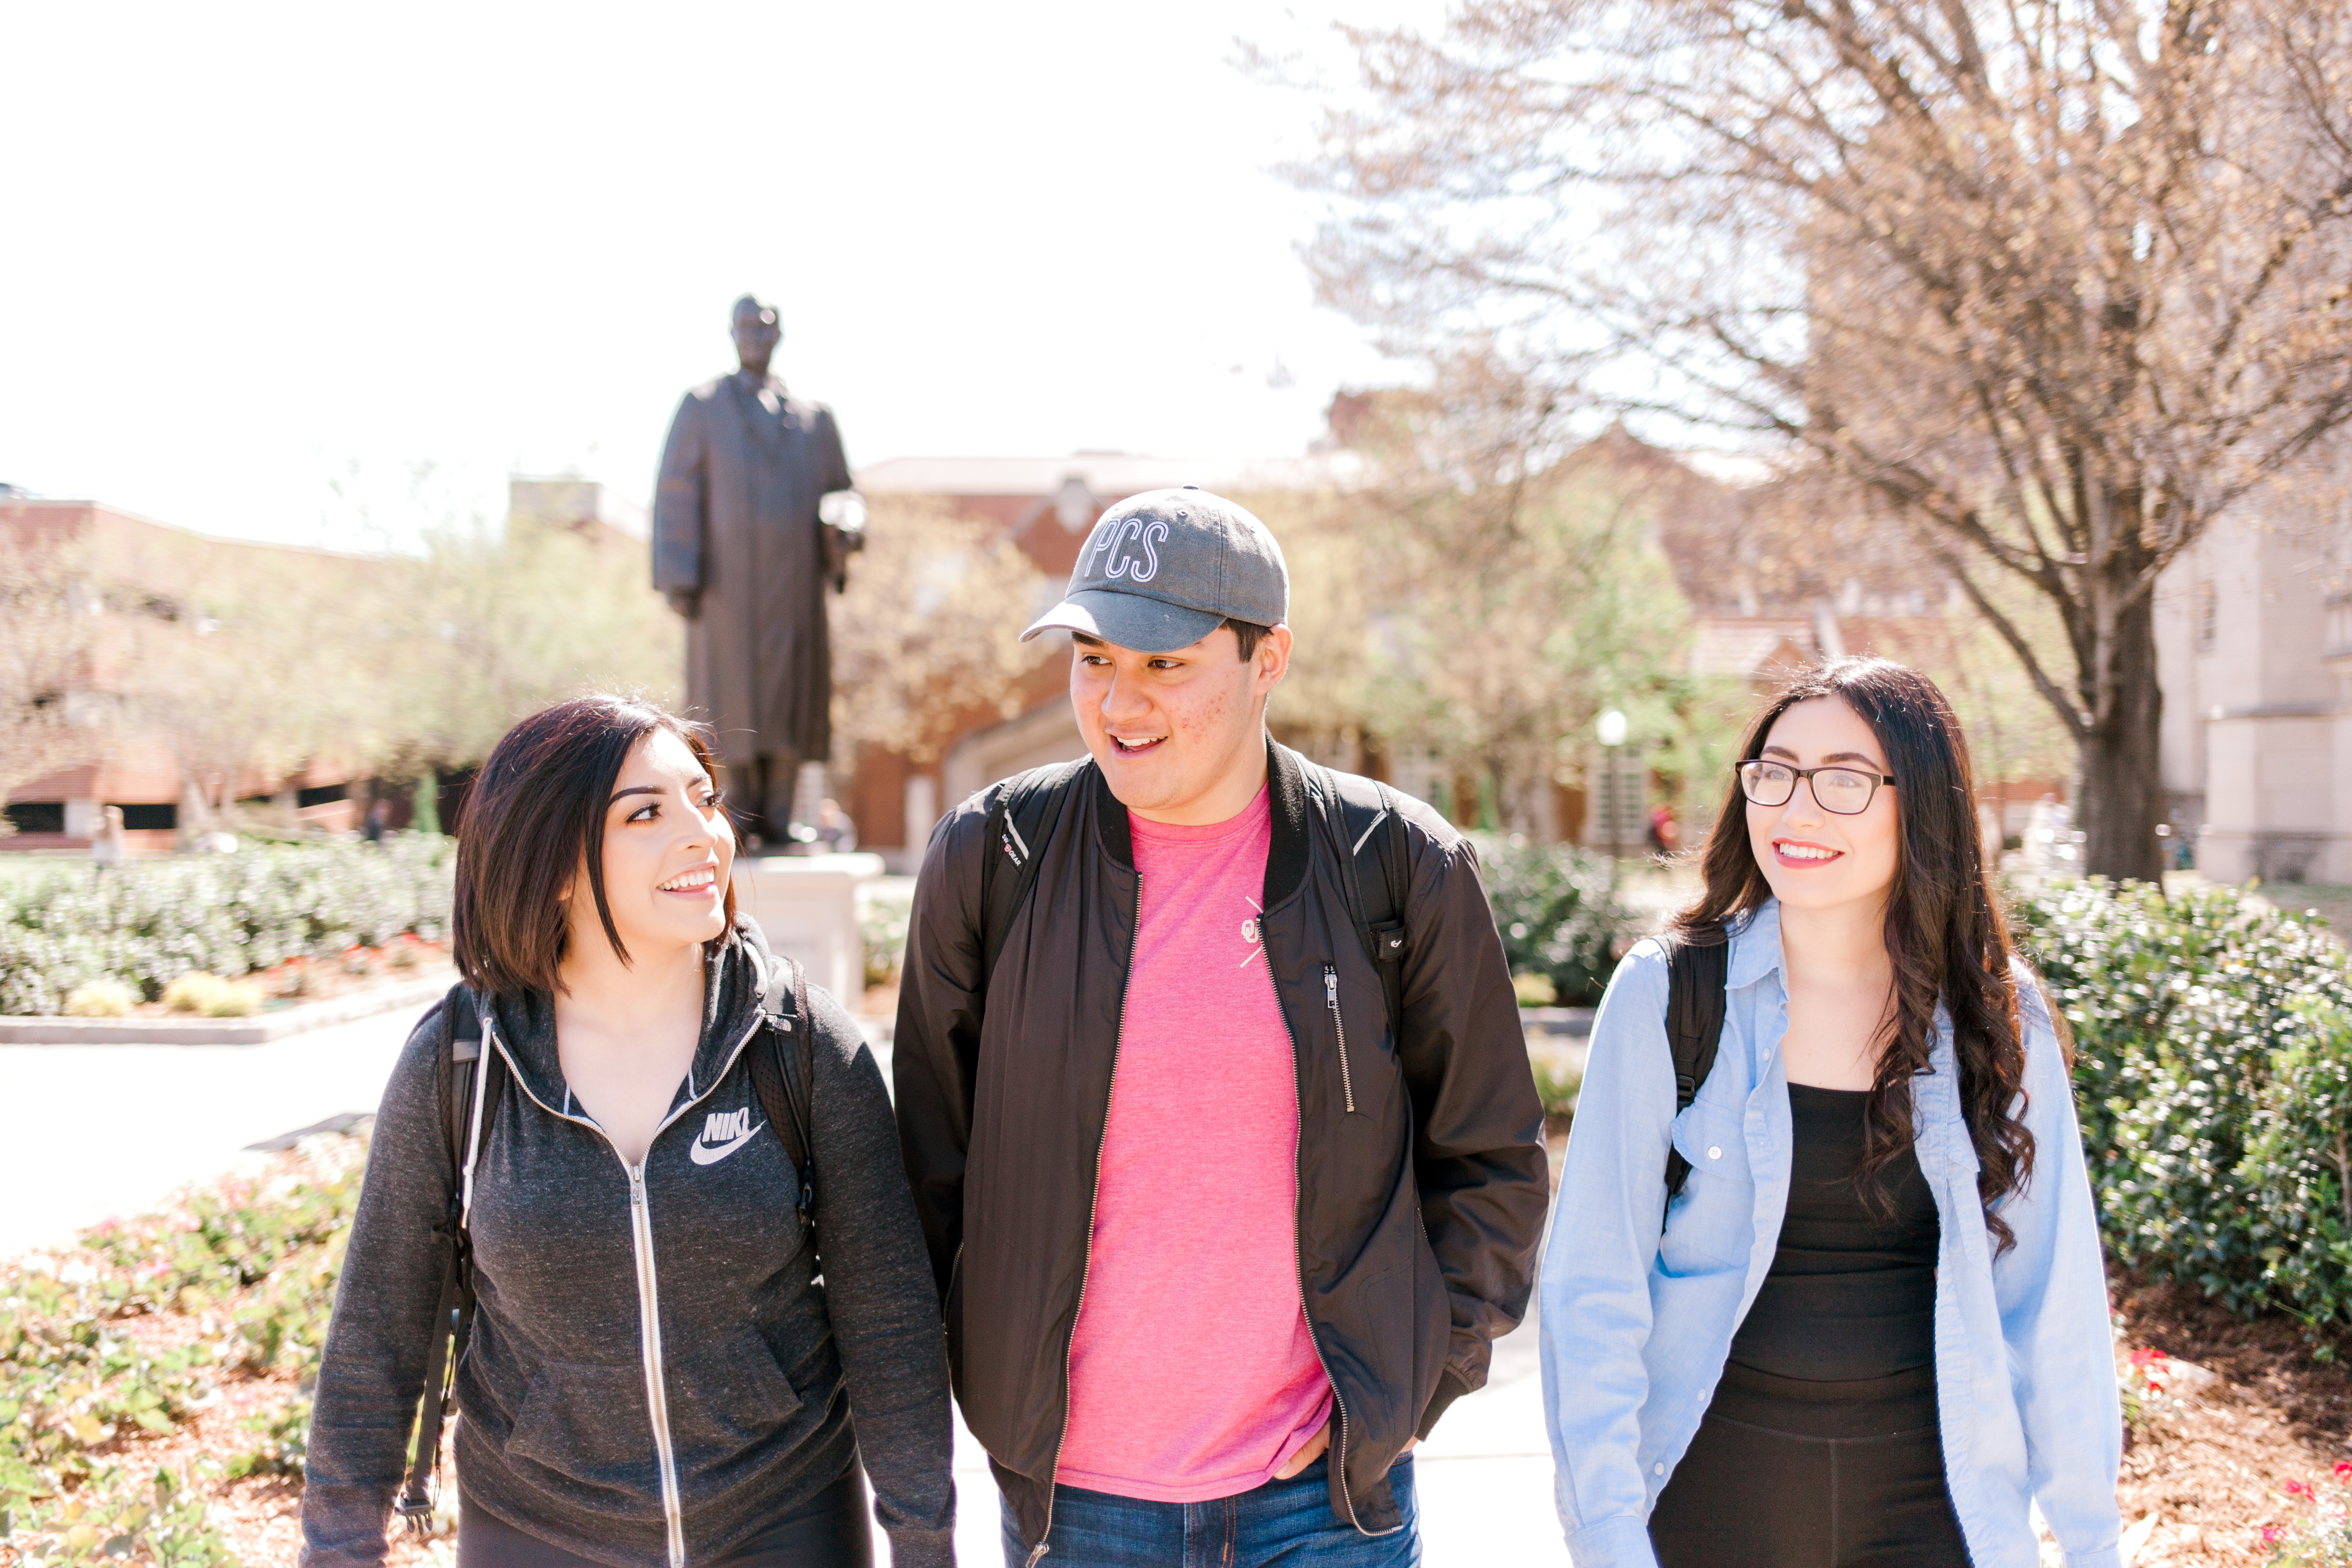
<point>657,1372</point>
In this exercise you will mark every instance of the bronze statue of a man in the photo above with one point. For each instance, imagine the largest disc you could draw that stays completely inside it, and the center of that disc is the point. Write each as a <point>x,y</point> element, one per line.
<point>754,517</point>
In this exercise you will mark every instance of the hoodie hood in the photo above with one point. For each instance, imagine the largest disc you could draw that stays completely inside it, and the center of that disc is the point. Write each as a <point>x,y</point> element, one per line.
<point>734,971</point>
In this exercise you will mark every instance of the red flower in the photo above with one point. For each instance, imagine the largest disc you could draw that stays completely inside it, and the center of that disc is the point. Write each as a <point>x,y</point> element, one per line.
<point>2273,1534</point>
<point>2344,1470</point>
<point>2298,1488</point>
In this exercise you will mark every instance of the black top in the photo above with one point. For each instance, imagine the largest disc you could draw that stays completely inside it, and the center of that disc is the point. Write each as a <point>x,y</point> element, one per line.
<point>1852,1293</point>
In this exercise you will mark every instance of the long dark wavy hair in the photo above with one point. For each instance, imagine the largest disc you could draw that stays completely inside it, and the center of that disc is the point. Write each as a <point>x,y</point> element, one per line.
<point>1945,928</point>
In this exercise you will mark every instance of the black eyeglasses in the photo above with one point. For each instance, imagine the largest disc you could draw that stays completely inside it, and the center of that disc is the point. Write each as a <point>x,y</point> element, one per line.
<point>1847,792</point>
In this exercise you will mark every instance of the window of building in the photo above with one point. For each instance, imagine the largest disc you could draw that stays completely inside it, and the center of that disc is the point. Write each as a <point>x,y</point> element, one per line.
<point>320,795</point>
<point>39,816</point>
<point>2209,616</point>
<point>151,818</point>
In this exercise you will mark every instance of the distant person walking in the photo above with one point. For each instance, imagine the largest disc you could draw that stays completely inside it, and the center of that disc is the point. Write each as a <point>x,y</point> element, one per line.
<point>667,1123</point>
<point>1211,1082</point>
<point>1666,833</point>
<point>1872,1328</point>
<point>106,845</point>
<point>379,821</point>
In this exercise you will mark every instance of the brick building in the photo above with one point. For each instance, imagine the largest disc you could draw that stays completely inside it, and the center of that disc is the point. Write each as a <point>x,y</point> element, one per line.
<point>140,574</point>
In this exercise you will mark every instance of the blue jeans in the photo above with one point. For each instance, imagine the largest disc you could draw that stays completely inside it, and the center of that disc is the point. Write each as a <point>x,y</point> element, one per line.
<point>1282,1524</point>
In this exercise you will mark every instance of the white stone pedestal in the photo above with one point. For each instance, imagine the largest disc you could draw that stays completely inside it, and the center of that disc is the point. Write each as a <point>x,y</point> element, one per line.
<point>807,907</point>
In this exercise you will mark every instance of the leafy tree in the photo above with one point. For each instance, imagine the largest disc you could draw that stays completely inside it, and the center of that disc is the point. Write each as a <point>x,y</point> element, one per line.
<point>46,640</point>
<point>1482,600</point>
<point>2058,282</point>
<point>504,621</point>
<point>928,629</point>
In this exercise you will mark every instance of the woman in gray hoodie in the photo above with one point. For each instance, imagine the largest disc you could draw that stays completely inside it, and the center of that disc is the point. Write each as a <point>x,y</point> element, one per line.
<point>661,1372</point>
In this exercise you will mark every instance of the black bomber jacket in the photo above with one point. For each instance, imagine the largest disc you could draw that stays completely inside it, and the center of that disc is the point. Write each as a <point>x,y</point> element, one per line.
<point>1419,1210</point>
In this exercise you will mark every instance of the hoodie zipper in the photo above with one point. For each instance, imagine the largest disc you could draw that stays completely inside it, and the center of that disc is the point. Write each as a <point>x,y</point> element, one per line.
<point>641,1235</point>
<point>1086,1269</point>
<point>641,1242</point>
<point>1298,1245</point>
<point>1331,1000</point>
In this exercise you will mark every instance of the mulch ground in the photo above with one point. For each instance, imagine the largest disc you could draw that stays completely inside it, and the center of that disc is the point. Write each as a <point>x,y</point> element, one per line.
<point>2250,1408</point>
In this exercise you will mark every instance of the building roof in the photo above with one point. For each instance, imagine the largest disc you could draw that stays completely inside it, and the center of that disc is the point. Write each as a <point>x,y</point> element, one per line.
<point>1746,647</point>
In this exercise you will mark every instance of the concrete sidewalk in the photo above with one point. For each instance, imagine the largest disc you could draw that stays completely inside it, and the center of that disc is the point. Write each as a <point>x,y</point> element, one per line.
<point>99,1131</point>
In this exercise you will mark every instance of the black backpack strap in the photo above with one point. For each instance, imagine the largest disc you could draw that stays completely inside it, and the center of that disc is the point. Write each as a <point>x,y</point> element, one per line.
<point>1369,820</point>
<point>1019,821</point>
<point>469,1098</point>
<point>784,1076</point>
<point>1698,965</point>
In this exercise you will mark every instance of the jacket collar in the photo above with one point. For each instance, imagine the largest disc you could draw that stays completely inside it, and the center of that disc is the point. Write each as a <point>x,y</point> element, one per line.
<point>1756,946</point>
<point>1286,856</point>
<point>732,971</point>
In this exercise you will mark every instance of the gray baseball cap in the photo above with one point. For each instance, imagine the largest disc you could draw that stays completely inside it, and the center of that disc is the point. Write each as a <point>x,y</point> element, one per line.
<point>1164,569</point>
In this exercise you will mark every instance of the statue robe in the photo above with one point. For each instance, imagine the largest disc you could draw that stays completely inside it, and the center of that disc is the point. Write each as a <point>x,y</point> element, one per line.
<point>735,521</point>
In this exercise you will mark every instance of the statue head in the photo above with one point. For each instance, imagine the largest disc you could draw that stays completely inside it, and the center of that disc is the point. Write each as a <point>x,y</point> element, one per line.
<point>756,334</point>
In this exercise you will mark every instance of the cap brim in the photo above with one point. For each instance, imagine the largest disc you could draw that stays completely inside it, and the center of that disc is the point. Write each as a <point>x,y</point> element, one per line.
<point>1128,621</point>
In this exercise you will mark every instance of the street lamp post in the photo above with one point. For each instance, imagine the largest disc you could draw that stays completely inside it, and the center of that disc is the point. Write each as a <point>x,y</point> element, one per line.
<point>1611,730</point>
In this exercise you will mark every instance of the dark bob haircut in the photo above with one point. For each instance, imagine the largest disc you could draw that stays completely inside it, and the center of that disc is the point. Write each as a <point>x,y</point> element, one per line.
<point>535,814</point>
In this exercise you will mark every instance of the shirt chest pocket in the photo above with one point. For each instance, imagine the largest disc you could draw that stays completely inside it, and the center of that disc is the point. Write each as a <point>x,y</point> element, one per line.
<point>1711,1223</point>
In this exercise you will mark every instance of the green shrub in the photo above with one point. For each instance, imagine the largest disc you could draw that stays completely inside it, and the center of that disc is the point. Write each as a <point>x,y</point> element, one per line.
<point>101,999</point>
<point>210,996</point>
<point>1558,1078</point>
<point>1533,990</point>
<point>883,912</point>
<point>145,924</point>
<point>245,1274</point>
<point>1558,914</point>
<point>2213,1073</point>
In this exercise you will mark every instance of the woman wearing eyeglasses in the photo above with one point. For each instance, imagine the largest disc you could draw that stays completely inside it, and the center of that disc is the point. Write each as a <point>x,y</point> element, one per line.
<point>1870,1326</point>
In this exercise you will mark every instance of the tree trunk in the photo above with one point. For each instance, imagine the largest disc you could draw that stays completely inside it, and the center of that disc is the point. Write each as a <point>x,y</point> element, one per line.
<point>2122,760</point>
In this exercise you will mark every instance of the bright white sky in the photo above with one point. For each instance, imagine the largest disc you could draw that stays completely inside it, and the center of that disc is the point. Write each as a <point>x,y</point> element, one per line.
<point>261,263</point>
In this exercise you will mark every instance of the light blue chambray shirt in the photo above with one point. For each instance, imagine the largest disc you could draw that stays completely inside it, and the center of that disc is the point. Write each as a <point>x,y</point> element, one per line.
<point>1638,1316</point>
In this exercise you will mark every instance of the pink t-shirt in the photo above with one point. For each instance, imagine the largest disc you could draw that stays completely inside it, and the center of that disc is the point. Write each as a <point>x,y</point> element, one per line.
<point>1192,1372</point>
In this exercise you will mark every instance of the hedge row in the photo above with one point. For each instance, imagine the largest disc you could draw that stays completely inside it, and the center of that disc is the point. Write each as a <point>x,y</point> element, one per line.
<point>2213,1073</point>
<point>147,922</point>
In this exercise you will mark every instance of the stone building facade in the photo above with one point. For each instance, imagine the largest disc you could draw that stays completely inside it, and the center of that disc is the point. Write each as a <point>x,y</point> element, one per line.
<point>2254,655</point>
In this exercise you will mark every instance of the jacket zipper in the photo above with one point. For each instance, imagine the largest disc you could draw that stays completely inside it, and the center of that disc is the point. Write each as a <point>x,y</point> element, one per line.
<point>641,1233</point>
<point>1331,1000</point>
<point>1298,1246</point>
<point>1087,1265</point>
<point>641,1242</point>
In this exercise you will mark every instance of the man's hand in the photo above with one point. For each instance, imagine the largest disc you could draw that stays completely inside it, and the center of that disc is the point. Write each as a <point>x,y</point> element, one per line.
<point>1315,1450</point>
<point>1306,1456</point>
<point>686,602</point>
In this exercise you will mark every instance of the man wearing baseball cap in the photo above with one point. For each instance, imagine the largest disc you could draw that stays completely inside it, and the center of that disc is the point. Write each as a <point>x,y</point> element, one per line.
<point>1211,1089</point>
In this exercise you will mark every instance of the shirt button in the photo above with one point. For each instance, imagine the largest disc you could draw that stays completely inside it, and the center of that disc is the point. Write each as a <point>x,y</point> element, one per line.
<point>1659,1468</point>
<point>1715,1154</point>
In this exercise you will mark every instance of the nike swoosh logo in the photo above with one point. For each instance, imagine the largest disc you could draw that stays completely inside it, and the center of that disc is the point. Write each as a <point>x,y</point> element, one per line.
<point>711,1154</point>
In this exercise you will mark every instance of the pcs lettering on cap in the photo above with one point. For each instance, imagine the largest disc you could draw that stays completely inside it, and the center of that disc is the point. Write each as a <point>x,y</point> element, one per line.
<point>1164,569</point>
